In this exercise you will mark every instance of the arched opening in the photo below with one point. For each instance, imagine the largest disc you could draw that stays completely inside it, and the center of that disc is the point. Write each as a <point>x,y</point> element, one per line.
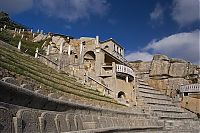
<point>89,55</point>
<point>121,94</point>
<point>89,60</point>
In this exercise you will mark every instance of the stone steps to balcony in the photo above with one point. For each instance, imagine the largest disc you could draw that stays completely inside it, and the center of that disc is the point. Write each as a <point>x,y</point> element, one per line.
<point>157,101</point>
<point>149,89</point>
<point>153,96</point>
<point>165,108</point>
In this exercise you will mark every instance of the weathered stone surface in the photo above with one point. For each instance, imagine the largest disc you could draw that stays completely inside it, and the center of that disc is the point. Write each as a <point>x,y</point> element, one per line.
<point>48,123</point>
<point>10,80</point>
<point>29,119</point>
<point>174,84</point>
<point>178,68</point>
<point>79,122</point>
<point>61,123</point>
<point>72,122</point>
<point>160,66</point>
<point>5,120</point>
<point>27,86</point>
<point>39,38</point>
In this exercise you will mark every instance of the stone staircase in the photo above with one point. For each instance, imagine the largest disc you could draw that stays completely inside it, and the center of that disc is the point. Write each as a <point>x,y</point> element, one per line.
<point>161,106</point>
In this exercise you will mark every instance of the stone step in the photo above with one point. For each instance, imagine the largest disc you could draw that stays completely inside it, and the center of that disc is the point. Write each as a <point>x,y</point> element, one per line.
<point>149,90</point>
<point>173,115</point>
<point>157,101</point>
<point>144,83</point>
<point>164,108</point>
<point>154,96</point>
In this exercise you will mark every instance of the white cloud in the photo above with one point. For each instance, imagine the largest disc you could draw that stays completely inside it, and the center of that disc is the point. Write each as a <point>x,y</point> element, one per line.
<point>157,13</point>
<point>73,10</point>
<point>180,45</point>
<point>144,56</point>
<point>186,12</point>
<point>15,6</point>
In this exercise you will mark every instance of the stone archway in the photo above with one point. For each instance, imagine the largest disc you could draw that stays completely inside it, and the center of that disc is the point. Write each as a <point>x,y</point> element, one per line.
<point>89,60</point>
<point>121,94</point>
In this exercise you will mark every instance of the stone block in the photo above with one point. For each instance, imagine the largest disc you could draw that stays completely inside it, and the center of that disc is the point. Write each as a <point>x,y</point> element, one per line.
<point>61,123</point>
<point>96,120</point>
<point>178,68</point>
<point>79,122</point>
<point>5,120</point>
<point>29,119</point>
<point>27,86</point>
<point>159,69</point>
<point>10,80</point>
<point>72,122</point>
<point>47,122</point>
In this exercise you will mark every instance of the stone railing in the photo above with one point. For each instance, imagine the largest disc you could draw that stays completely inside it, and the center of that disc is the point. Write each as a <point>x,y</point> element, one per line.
<point>190,88</point>
<point>124,69</point>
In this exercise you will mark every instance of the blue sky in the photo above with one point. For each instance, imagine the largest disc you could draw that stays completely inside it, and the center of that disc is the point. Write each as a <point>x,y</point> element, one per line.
<point>143,27</point>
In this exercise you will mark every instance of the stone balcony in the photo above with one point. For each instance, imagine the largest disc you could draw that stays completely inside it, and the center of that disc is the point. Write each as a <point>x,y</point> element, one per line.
<point>190,88</point>
<point>124,70</point>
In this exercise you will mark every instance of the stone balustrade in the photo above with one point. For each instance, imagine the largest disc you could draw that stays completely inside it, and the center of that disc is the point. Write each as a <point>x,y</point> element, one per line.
<point>190,88</point>
<point>125,70</point>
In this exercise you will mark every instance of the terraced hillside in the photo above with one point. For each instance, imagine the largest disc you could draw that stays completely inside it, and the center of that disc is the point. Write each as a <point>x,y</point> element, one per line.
<point>26,69</point>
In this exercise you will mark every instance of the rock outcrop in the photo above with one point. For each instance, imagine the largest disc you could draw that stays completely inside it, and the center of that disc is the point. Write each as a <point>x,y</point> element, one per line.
<point>167,74</point>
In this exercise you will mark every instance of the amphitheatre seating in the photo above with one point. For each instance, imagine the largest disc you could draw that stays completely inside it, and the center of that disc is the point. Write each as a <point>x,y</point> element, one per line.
<point>5,120</point>
<point>26,118</point>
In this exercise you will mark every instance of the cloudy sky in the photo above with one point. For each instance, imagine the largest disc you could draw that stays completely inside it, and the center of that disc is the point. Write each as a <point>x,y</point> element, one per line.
<point>143,27</point>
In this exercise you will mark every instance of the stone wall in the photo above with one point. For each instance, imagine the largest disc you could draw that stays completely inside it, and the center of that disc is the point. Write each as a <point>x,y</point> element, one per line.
<point>167,74</point>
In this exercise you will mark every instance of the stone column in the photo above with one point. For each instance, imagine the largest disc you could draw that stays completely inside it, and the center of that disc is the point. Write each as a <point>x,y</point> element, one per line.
<point>19,31</point>
<point>97,40</point>
<point>48,49</point>
<point>36,53</point>
<point>22,36</point>
<point>33,35</point>
<point>1,29</point>
<point>61,47</point>
<point>127,79</point>
<point>81,48</point>
<point>69,50</point>
<point>15,29</point>
<point>4,26</point>
<point>19,45</point>
<point>22,30</point>
<point>31,30</point>
<point>38,31</point>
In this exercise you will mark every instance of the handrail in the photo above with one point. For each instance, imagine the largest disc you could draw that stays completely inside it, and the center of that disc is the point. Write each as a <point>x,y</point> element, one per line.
<point>125,69</point>
<point>99,83</point>
<point>190,88</point>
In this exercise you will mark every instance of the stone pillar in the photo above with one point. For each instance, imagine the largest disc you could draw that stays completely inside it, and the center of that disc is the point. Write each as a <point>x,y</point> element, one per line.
<point>1,29</point>
<point>14,35</point>
<point>61,47</point>
<point>41,32</point>
<point>69,50</point>
<point>48,49</point>
<point>97,40</point>
<point>33,35</point>
<point>36,53</point>
<point>31,30</point>
<point>81,48</point>
<point>23,30</point>
<point>22,36</point>
<point>19,31</point>
<point>15,29</point>
<point>126,79</point>
<point>38,31</point>
<point>19,45</point>
<point>4,26</point>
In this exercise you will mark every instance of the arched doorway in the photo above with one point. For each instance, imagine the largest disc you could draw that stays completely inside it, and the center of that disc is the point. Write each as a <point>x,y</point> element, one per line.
<point>121,94</point>
<point>89,60</point>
